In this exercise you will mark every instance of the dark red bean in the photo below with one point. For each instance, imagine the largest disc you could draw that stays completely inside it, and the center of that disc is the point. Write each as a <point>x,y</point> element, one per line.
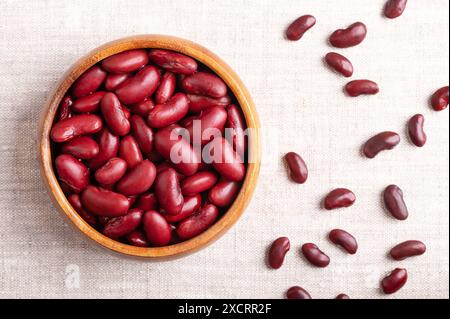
<point>130,152</point>
<point>109,146</point>
<point>121,226</point>
<point>72,172</point>
<point>342,296</point>
<point>165,165</point>
<point>278,251</point>
<point>168,192</point>
<point>338,198</point>
<point>83,147</point>
<point>381,142</point>
<point>142,108</point>
<point>339,63</point>
<point>126,112</point>
<point>202,83</point>
<point>191,205</point>
<point>102,202</point>
<point>394,8</point>
<point>416,131</point>
<point>157,229</point>
<point>126,62</point>
<point>407,249</point>
<point>198,183</point>
<point>198,103</point>
<point>439,100</point>
<point>297,292</point>
<point>147,201</point>
<point>361,87</point>
<point>84,124</point>
<point>89,103</point>
<point>139,87</point>
<point>393,199</point>
<point>65,108</point>
<point>142,133</point>
<point>138,180</point>
<point>198,223</point>
<point>236,123</point>
<point>225,160</point>
<point>163,115</point>
<point>111,172</point>
<point>114,115</point>
<point>166,88</point>
<point>113,81</point>
<point>298,28</point>
<point>75,201</point>
<point>137,238</point>
<point>298,171</point>
<point>315,256</point>
<point>173,62</point>
<point>88,82</point>
<point>209,125</point>
<point>395,281</point>
<point>224,193</point>
<point>349,37</point>
<point>344,239</point>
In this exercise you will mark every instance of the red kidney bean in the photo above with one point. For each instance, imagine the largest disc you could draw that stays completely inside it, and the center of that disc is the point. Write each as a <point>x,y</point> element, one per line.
<point>147,201</point>
<point>202,83</point>
<point>121,226</point>
<point>224,160</point>
<point>342,296</point>
<point>173,62</point>
<point>191,205</point>
<point>393,199</point>
<point>439,100</point>
<point>75,201</point>
<point>83,147</point>
<point>210,124</point>
<point>315,256</point>
<point>165,165</point>
<point>65,108</point>
<point>395,281</point>
<point>102,202</point>
<point>236,122</point>
<point>111,172</point>
<point>142,133</point>
<point>298,171</point>
<point>163,115</point>
<point>187,121</point>
<point>132,199</point>
<point>72,172</point>
<point>137,238</point>
<point>168,192</point>
<point>157,229</point>
<point>166,88</point>
<point>298,28</point>
<point>394,8</point>
<point>142,108</point>
<point>114,115</point>
<point>198,223</point>
<point>361,87</point>
<point>416,131</point>
<point>138,180</point>
<point>407,249</point>
<point>130,152</point>
<point>338,198</point>
<point>198,103</point>
<point>139,87</point>
<point>188,161</point>
<point>109,146</point>
<point>113,81</point>
<point>339,63</point>
<point>278,251</point>
<point>126,112</point>
<point>125,62</point>
<point>198,183</point>
<point>297,292</point>
<point>88,82</point>
<point>349,37</point>
<point>381,142</point>
<point>84,124</point>
<point>344,239</point>
<point>224,193</point>
<point>88,103</point>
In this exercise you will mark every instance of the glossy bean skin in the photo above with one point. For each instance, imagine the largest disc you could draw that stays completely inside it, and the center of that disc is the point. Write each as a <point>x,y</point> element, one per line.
<point>121,226</point>
<point>416,131</point>
<point>394,8</point>
<point>395,281</point>
<point>168,192</point>
<point>315,256</point>
<point>224,193</point>
<point>157,229</point>
<point>173,61</point>
<point>88,82</point>
<point>113,81</point>
<point>138,180</point>
<point>82,147</point>
<point>142,133</point>
<point>142,108</point>
<point>105,203</point>
<point>297,292</point>
<point>342,296</point>
<point>278,251</point>
<point>394,202</point>
<point>108,147</point>
<point>174,110</point>
<point>361,87</point>
<point>349,37</point>
<point>130,152</point>
<point>344,239</point>
<point>236,122</point>
<point>339,63</point>
<point>298,28</point>
<point>83,124</point>
<point>198,183</point>
<point>137,238</point>
<point>111,172</point>
<point>408,249</point>
<point>147,201</point>
<point>65,108</point>
<point>381,142</point>
<point>225,160</point>
<point>89,103</point>
<point>72,172</point>
<point>125,62</point>
<point>114,115</point>
<point>75,201</point>
<point>208,125</point>
<point>338,198</point>
<point>298,171</point>
<point>166,88</point>
<point>191,205</point>
<point>439,100</point>
<point>139,87</point>
<point>202,83</point>
<point>198,223</point>
<point>198,103</point>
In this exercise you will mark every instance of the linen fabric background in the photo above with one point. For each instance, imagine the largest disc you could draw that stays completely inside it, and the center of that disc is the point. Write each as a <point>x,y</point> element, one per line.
<point>302,108</point>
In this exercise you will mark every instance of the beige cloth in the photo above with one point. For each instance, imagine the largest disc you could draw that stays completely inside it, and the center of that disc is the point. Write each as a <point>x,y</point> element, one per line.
<point>302,108</point>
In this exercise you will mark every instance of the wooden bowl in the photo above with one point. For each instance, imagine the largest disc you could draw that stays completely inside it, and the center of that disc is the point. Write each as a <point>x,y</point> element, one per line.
<point>200,54</point>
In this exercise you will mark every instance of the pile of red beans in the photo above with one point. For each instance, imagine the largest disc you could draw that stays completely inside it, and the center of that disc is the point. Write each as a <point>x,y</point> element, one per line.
<point>113,140</point>
<point>342,197</point>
